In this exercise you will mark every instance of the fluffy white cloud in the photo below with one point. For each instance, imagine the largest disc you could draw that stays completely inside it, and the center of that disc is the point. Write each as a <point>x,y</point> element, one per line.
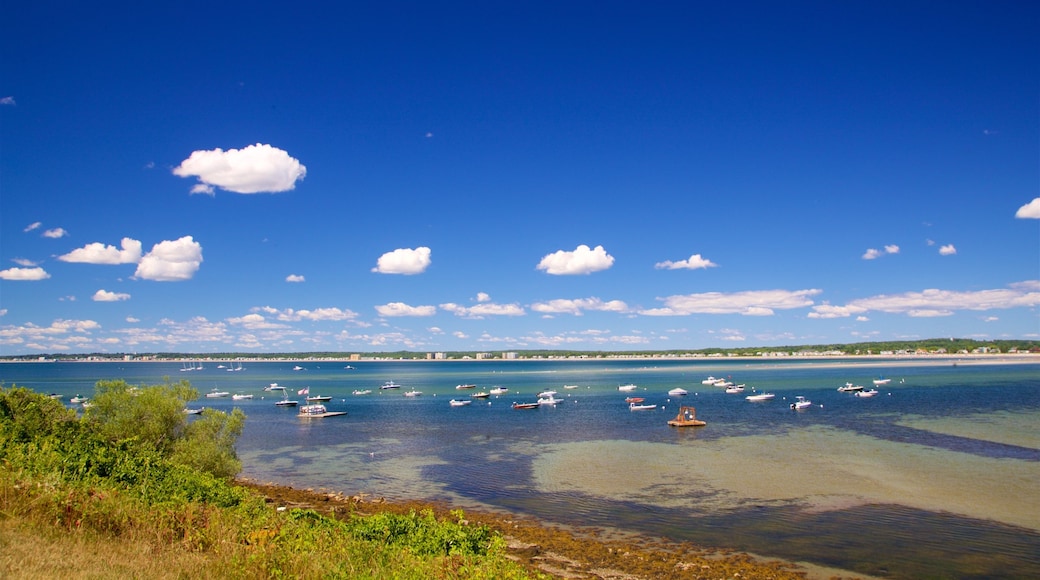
<point>404,261</point>
<point>483,309</point>
<point>254,322</point>
<point>254,169</point>
<point>171,261</point>
<point>579,306</point>
<point>318,314</point>
<point>1030,210</point>
<point>24,274</point>
<point>106,296</point>
<point>695,262</point>
<point>55,233</point>
<point>294,278</point>
<point>98,253</point>
<point>873,253</point>
<point>582,260</point>
<point>750,303</point>
<point>401,309</point>
<point>947,250</point>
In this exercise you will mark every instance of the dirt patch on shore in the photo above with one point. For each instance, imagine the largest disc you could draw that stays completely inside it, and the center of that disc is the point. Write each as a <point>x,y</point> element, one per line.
<point>566,553</point>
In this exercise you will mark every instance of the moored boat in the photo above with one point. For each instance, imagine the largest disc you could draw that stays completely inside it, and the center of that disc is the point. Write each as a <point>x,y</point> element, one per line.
<point>362,391</point>
<point>849,388</point>
<point>687,417</point>
<point>459,402</point>
<point>241,397</point>
<point>525,405</point>
<point>760,397</point>
<point>869,393</point>
<point>499,390</point>
<point>678,392</point>
<point>640,407</point>
<point>390,385</point>
<point>627,388</point>
<point>801,403</point>
<point>318,411</point>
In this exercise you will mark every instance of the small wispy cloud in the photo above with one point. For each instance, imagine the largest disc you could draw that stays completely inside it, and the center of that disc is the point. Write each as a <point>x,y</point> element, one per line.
<point>873,253</point>
<point>947,250</point>
<point>33,226</point>
<point>694,262</point>
<point>106,296</point>
<point>55,233</point>
<point>7,101</point>
<point>294,278</point>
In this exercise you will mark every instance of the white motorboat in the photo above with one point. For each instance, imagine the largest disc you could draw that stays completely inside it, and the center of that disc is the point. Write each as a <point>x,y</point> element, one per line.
<point>678,392</point>
<point>390,385</point>
<point>215,394</point>
<point>362,391</point>
<point>499,391</point>
<point>801,403</point>
<point>627,388</point>
<point>882,381</point>
<point>466,386</point>
<point>78,400</point>
<point>760,397</point>
<point>286,403</point>
<point>413,393</point>
<point>241,397</point>
<point>568,387</point>
<point>640,407</point>
<point>709,381</point>
<point>869,393</point>
<point>550,400</point>
<point>549,394</point>
<point>318,398</point>
<point>188,411</point>
<point>298,368</point>
<point>850,388</point>
<point>274,387</point>
<point>735,389</point>
<point>318,411</point>
<point>459,402</point>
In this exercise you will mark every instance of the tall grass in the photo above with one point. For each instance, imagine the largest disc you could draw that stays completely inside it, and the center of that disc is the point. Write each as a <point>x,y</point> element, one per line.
<point>73,503</point>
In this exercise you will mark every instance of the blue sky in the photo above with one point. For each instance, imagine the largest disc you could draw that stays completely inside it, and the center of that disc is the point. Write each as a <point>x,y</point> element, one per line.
<point>262,177</point>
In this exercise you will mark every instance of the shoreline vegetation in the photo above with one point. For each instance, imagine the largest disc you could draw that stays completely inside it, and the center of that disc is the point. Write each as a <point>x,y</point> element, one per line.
<point>922,350</point>
<point>132,488</point>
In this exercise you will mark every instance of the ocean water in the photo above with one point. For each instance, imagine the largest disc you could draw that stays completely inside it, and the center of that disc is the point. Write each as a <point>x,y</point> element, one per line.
<point>937,476</point>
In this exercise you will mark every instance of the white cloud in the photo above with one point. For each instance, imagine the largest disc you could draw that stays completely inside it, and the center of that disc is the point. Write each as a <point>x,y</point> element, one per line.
<point>32,226</point>
<point>132,320</point>
<point>253,169</point>
<point>947,250</point>
<point>484,309</point>
<point>749,303</point>
<point>24,262</point>
<point>873,253</point>
<point>55,233</point>
<point>254,322</point>
<point>98,253</point>
<point>483,297</point>
<point>581,261</point>
<point>318,314</point>
<point>106,296</point>
<point>294,278</point>
<point>7,101</point>
<point>934,302</point>
<point>24,274</point>
<point>579,306</point>
<point>695,262</point>
<point>1030,210</point>
<point>171,261</point>
<point>404,261</point>
<point>401,309</point>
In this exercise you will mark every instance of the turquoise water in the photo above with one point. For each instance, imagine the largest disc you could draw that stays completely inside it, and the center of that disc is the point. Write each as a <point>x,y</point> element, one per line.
<point>937,476</point>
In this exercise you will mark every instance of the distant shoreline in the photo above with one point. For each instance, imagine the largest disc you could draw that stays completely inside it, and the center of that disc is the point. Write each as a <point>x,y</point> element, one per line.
<point>814,360</point>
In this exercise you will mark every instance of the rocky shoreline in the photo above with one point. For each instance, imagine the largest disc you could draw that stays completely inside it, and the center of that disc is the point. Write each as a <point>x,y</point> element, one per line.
<point>568,553</point>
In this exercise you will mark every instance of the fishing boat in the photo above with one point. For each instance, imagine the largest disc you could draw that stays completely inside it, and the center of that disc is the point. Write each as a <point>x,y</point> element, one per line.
<point>735,389</point>
<point>215,394</point>
<point>499,390</point>
<point>549,393</point>
<point>78,399</point>
<point>318,411</point>
<point>687,417</point>
<point>850,388</point>
<point>869,393</point>
<point>241,397</point>
<point>882,381</point>
<point>188,411</point>
<point>525,405</point>
<point>362,391</point>
<point>467,386</point>
<point>459,402</point>
<point>568,387</point>
<point>801,403</point>
<point>318,398</point>
<point>480,395</point>
<point>298,368</point>
<point>274,387</point>
<point>390,385</point>
<point>709,381</point>
<point>286,401</point>
<point>640,407</point>
<point>550,400</point>
<point>627,388</point>
<point>631,400</point>
<point>413,393</point>
<point>760,397</point>
<point>678,392</point>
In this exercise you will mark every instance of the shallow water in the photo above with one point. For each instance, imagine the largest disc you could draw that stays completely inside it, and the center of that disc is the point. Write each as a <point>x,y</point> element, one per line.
<point>934,477</point>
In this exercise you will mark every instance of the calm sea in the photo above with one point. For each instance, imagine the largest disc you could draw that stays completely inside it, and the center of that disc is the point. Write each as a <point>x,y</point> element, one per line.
<point>937,476</point>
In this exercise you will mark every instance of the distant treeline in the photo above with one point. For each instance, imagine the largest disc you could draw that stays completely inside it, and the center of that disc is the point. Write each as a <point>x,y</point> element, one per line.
<point>931,345</point>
